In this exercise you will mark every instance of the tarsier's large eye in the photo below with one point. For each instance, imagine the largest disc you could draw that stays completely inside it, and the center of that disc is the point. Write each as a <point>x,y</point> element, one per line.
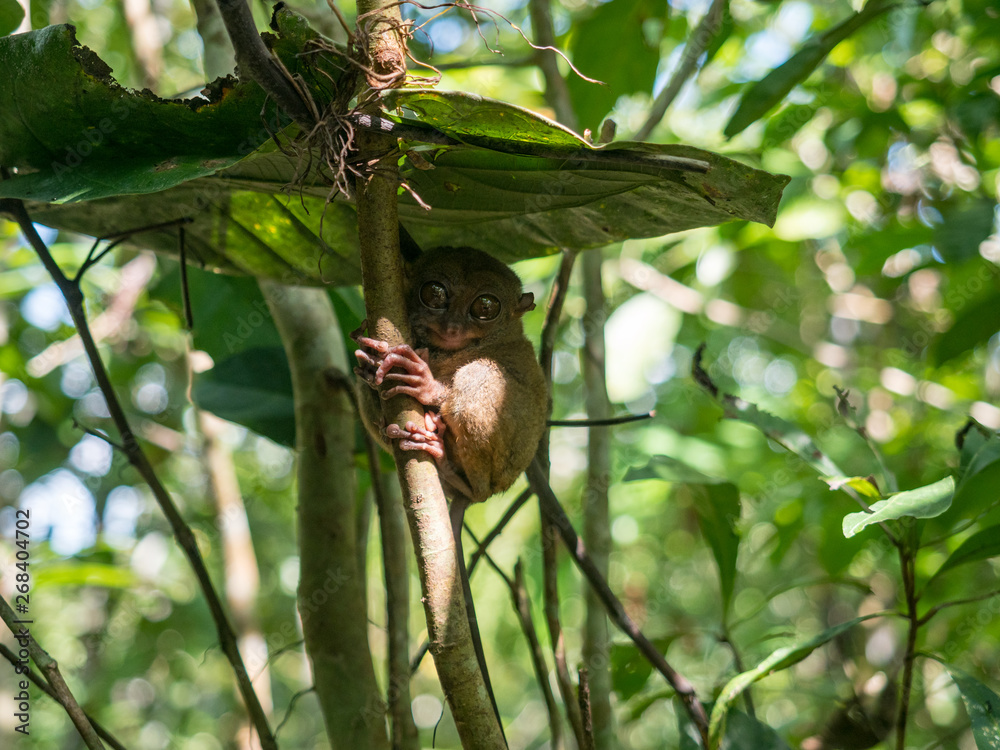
<point>485,307</point>
<point>434,295</point>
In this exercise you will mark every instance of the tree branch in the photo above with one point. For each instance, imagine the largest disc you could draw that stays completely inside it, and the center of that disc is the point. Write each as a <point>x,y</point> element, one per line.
<point>553,511</point>
<point>696,44</point>
<point>426,508</point>
<point>255,61</point>
<point>331,595</point>
<point>596,513</point>
<point>40,682</point>
<point>556,91</point>
<point>392,525</point>
<point>50,669</point>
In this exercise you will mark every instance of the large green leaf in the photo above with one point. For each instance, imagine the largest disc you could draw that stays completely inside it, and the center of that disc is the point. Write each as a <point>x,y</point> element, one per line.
<point>983,706</point>
<point>928,501</point>
<point>469,117</point>
<point>523,188</point>
<point>975,325</point>
<point>718,510</point>
<point>72,118</point>
<point>772,89</point>
<point>781,659</point>
<point>252,388</point>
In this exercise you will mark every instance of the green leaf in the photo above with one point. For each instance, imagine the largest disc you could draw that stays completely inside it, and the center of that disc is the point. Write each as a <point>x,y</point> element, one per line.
<point>862,485</point>
<point>72,573</point>
<point>11,15</point>
<point>129,160</point>
<point>767,93</point>
<point>469,117</point>
<point>718,509</point>
<point>513,206</point>
<point>783,658</point>
<point>924,502</point>
<point>982,545</point>
<point>71,112</point>
<point>974,326</point>
<point>983,706</point>
<point>612,47</point>
<point>630,670</point>
<point>965,225</point>
<point>252,388</point>
<point>788,435</point>
<point>669,469</point>
<point>230,314</point>
<point>978,476</point>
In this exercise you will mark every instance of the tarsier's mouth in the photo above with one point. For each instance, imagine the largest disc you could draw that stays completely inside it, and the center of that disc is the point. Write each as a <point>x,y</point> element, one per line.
<point>450,342</point>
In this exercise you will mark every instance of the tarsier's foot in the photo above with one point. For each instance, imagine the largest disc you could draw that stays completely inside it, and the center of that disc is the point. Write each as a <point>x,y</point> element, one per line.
<point>415,380</point>
<point>420,438</point>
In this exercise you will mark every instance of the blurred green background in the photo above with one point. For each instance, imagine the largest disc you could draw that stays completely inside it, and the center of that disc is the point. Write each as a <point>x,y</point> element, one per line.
<point>880,276</point>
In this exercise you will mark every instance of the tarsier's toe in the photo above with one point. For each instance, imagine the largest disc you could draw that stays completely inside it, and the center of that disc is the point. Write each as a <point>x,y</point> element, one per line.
<point>434,449</point>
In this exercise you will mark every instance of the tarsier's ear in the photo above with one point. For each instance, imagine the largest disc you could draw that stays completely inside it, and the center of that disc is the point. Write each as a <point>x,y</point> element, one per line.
<point>526,303</point>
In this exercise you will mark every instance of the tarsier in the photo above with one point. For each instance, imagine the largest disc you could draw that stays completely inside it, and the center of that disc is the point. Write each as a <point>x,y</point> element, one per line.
<point>471,366</point>
<point>474,371</point>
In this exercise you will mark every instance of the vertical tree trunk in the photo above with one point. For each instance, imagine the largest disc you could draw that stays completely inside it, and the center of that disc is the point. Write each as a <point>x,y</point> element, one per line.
<point>423,498</point>
<point>596,516</point>
<point>331,591</point>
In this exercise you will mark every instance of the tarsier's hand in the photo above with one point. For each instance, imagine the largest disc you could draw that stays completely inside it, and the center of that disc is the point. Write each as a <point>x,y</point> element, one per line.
<point>415,380</point>
<point>376,359</point>
<point>375,362</point>
<point>369,355</point>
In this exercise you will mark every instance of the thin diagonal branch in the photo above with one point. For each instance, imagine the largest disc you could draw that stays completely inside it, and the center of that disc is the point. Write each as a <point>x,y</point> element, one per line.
<point>55,679</point>
<point>957,603</point>
<point>553,511</point>
<point>137,457</point>
<point>255,61</point>
<point>696,44</point>
<point>42,684</point>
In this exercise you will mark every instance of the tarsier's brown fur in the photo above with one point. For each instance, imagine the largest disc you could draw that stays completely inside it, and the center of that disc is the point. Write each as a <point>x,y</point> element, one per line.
<point>482,386</point>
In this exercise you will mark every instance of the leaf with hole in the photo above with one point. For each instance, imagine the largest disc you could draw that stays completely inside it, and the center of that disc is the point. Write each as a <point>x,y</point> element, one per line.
<point>131,159</point>
<point>983,706</point>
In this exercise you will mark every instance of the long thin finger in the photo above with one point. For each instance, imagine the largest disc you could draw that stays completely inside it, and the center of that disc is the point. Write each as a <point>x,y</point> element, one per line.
<point>401,390</point>
<point>365,358</point>
<point>405,377</point>
<point>376,344</point>
<point>356,333</point>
